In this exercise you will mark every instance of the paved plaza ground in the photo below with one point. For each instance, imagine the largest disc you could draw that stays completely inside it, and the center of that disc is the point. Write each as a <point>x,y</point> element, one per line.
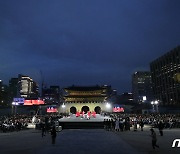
<point>87,141</point>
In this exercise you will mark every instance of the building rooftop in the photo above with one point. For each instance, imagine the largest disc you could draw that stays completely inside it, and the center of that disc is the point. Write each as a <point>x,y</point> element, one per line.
<point>84,88</point>
<point>177,49</point>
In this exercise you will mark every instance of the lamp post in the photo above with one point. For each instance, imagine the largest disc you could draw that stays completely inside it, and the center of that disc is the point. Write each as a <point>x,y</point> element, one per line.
<point>14,108</point>
<point>155,103</point>
<point>152,105</point>
<point>63,107</point>
<point>108,107</point>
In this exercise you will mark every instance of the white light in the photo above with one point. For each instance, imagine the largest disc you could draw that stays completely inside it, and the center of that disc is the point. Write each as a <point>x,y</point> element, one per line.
<point>156,102</point>
<point>15,103</point>
<point>63,106</point>
<point>152,102</point>
<point>108,105</point>
<point>144,98</point>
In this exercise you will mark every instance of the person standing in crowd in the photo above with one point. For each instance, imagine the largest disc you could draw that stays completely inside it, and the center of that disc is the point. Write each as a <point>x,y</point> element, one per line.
<point>127,124</point>
<point>43,130</point>
<point>112,125</point>
<point>109,125</point>
<point>121,124</point>
<point>53,135</point>
<point>135,125</point>
<point>160,127</point>
<point>117,125</point>
<point>104,123</point>
<point>154,138</point>
<point>170,123</point>
<point>141,124</point>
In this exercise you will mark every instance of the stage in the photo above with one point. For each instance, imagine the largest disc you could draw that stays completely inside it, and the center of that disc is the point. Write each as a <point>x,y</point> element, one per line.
<point>73,122</point>
<point>73,118</point>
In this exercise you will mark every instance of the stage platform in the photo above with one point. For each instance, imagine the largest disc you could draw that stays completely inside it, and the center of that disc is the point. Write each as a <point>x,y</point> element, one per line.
<point>73,122</point>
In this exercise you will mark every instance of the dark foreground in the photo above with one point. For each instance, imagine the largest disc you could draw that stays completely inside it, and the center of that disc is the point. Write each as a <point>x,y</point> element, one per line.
<point>85,141</point>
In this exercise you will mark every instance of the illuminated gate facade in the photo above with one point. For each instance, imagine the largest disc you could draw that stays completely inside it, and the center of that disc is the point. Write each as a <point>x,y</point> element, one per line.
<point>86,99</point>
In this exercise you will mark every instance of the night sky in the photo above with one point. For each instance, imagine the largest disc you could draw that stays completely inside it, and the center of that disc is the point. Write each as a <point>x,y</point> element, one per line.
<point>85,42</point>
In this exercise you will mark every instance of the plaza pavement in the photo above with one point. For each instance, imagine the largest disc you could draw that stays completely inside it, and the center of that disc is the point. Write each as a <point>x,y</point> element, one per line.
<point>141,140</point>
<point>87,141</point>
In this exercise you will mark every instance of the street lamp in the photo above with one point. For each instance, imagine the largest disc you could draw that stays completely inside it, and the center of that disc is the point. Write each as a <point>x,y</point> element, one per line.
<point>152,105</point>
<point>14,107</point>
<point>63,107</point>
<point>155,103</point>
<point>144,98</point>
<point>108,106</point>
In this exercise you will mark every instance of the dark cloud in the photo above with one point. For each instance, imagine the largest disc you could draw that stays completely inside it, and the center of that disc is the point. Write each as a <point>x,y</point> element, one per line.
<point>85,42</point>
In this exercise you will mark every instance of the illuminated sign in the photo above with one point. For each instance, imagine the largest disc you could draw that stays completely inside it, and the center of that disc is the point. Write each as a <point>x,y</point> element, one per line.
<point>52,109</point>
<point>33,102</point>
<point>18,101</point>
<point>37,102</point>
<point>118,109</point>
<point>28,102</point>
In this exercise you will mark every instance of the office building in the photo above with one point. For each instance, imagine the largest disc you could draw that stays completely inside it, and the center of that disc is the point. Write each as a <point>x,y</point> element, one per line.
<point>142,87</point>
<point>51,95</point>
<point>3,94</point>
<point>27,88</point>
<point>166,78</point>
<point>13,88</point>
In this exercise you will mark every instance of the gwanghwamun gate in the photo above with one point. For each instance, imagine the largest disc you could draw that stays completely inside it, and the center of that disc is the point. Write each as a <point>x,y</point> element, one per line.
<point>86,99</point>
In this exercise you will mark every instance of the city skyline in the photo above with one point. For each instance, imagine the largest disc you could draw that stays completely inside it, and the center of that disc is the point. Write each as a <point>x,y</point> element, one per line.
<point>85,43</point>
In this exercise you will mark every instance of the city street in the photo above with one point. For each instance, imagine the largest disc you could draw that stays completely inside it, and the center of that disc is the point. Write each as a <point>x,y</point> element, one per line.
<point>87,141</point>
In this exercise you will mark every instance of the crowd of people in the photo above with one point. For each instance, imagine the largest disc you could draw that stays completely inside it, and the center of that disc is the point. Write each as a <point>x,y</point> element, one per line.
<point>14,123</point>
<point>123,122</point>
<point>116,121</point>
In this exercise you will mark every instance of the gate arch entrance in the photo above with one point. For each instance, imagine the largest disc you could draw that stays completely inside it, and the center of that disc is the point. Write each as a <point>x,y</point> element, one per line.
<point>73,110</point>
<point>85,109</point>
<point>97,109</point>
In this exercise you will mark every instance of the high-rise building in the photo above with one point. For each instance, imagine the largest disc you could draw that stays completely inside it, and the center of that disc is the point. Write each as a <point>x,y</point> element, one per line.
<point>3,94</point>
<point>51,95</point>
<point>35,90</point>
<point>0,84</point>
<point>27,88</point>
<point>13,87</point>
<point>142,87</point>
<point>126,98</point>
<point>166,78</point>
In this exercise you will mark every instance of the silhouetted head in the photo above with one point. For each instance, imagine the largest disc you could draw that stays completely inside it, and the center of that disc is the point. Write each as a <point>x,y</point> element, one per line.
<point>152,130</point>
